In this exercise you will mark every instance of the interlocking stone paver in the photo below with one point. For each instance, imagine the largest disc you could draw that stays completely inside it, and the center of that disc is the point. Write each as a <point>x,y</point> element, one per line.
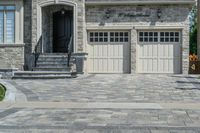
<point>104,89</point>
<point>114,88</point>
<point>106,120</point>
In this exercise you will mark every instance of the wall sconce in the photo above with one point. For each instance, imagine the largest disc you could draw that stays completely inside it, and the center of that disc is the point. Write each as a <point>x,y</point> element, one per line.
<point>63,11</point>
<point>107,14</point>
<point>159,13</point>
<point>102,23</point>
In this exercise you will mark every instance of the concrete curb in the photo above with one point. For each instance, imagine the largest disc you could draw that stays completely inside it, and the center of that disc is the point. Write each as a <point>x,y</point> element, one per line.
<point>12,94</point>
<point>103,105</point>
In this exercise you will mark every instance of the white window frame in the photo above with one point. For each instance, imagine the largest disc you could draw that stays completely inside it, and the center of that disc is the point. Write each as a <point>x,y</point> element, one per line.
<point>98,37</point>
<point>5,11</point>
<point>19,22</point>
<point>148,36</point>
<point>159,36</point>
<point>126,39</point>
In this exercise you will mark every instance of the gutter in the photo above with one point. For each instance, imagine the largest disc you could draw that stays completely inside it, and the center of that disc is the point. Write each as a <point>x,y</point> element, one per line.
<point>139,2</point>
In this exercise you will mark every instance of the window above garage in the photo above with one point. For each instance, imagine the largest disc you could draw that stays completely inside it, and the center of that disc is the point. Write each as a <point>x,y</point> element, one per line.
<point>159,36</point>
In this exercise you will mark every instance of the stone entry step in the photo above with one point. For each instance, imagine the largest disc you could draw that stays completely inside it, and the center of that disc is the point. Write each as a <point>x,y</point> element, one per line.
<point>54,62</point>
<point>50,66</point>
<point>43,75</point>
<point>54,68</point>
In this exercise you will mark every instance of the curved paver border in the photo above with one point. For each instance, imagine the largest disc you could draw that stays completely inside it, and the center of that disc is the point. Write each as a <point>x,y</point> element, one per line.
<point>12,94</point>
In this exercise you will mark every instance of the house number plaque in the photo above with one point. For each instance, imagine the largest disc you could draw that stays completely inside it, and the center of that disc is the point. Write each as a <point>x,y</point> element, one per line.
<point>194,67</point>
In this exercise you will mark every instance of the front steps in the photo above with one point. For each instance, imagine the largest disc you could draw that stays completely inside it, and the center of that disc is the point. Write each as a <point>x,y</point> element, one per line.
<point>43,75</point>
<point>50,66</point>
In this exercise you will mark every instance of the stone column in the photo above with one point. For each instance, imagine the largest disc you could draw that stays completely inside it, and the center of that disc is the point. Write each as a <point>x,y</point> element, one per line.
<point>34,24</point>
<point>185,52</point>
<point>133,50</point>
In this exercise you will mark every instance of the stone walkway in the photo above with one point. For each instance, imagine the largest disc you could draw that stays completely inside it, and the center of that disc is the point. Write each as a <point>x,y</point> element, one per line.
<point>105,104</point>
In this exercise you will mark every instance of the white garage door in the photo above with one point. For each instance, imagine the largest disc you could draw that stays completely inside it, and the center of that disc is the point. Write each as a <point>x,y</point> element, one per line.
<point>109,52</point>
<point>159,52</point>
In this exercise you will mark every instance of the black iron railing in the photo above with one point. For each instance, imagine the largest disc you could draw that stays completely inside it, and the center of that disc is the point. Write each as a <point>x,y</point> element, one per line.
<point>37,50</point>
<point>69,50</point>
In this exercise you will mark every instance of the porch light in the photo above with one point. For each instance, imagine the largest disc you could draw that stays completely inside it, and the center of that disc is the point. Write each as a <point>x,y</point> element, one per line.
<point>159,13</point>
<point>63,11</point>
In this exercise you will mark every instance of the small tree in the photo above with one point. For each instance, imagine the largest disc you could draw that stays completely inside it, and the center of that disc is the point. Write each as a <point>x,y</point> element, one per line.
<point>198,27</point>
<point>193,31</point>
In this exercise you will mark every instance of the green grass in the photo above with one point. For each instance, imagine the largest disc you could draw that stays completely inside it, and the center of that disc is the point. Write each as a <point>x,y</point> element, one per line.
<point>2,92</point>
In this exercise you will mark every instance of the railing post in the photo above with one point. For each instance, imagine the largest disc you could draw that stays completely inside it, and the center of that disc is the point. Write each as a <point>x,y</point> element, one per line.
<point>41,41</point>
<point>69,49</point>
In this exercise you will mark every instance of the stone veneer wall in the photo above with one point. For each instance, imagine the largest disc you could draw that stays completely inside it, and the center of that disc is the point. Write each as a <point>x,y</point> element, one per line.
<point>11,57</point>
<point>136,17</point>
<point>12,54</point>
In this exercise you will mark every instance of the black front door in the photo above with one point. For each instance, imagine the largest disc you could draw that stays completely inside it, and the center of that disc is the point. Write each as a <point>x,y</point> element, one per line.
<point>62,30</point>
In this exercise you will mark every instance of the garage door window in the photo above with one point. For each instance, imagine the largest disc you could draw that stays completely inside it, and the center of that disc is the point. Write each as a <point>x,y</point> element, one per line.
<point>169,36</point>
<point>119,37</point>
<point>99,37</point>
<point>148,36</point>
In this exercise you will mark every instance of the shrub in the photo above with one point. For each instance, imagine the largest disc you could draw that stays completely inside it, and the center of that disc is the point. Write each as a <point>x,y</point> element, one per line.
<point>2,92</point>
<point>193,57</point>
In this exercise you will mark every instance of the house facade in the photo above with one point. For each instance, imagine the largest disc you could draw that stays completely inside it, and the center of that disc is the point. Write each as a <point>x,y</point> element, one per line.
<point>107,36</point>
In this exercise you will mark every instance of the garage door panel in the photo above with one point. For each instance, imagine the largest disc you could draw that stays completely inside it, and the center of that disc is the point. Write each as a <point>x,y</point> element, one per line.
<point>105,66</point>
<point>105,50</point>
<point>111,65</point>
<point>171,65</point>
<point>150,51</point>
<point>155,65</point>
<point>155,50</point>
<point>109,57</point>
<point>171,51</point>
<point>150,68</point>
<point>161,65</point>
<point>159,57</point>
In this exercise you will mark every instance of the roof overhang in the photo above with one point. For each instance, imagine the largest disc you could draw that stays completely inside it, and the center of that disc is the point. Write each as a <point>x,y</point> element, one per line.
<point>139,2</point>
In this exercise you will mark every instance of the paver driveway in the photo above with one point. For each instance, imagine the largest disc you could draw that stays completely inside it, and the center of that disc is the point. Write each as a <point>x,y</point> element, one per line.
<point>113,88</point>
<point>105,104</point>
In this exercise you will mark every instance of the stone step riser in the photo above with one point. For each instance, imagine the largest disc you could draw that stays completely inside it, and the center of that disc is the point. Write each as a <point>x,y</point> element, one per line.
<point>53,69</point>
<point>44,77</point>
<point>54,56</point>
<point>49,57</point>
<point>40,74</point>
<point>54,65</point>
<point>53,61</point>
